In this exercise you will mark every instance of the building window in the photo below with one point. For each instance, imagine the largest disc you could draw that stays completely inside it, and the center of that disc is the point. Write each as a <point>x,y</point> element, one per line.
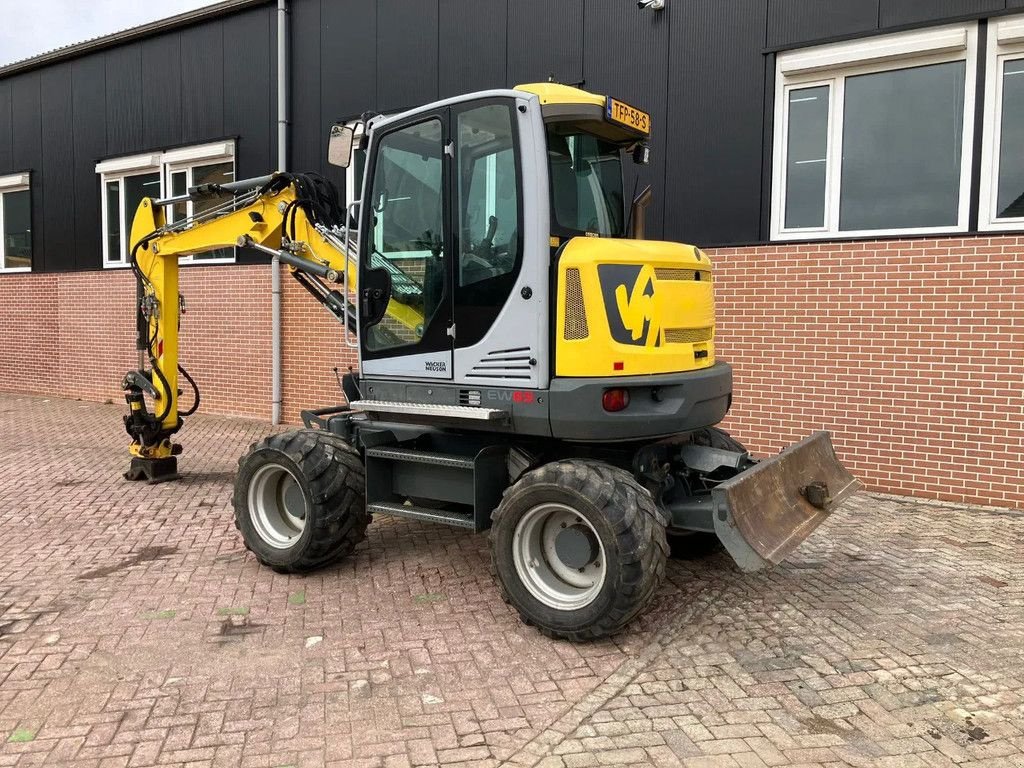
<point>127,180</point>
<point>873,137</point>
<point>15,223</point>
<point>1002,189</point>
<point>180,178</point>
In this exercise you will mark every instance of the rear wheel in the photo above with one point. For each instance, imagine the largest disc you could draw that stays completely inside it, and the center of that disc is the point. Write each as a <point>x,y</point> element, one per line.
<point>299,500</point>
<point>578,548</point>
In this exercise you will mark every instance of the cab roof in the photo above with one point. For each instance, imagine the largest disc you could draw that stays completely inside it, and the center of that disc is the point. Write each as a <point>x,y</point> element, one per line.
<point>556,93</point>
<point>567,107</point>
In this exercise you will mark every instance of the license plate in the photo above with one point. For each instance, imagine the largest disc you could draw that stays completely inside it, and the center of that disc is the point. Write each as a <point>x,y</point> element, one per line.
<point>619,112</point>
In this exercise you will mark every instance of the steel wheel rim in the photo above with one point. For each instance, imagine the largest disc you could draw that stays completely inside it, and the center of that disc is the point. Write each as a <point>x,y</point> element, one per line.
<point>542,571</point>
<point>277,506</point>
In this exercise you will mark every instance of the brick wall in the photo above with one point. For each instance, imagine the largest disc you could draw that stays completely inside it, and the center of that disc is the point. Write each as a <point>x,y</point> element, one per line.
<point>73,335</point>
<point>910,351</point>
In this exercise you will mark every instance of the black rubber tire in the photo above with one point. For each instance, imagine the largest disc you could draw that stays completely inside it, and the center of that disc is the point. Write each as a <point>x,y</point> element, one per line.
<point>693,545</point>
<point>623,514</point>
<point>332,478</point>
<point>713,437</point>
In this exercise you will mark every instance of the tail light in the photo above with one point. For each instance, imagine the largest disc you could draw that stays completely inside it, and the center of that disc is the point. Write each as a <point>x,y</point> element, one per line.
<point>615,400</point>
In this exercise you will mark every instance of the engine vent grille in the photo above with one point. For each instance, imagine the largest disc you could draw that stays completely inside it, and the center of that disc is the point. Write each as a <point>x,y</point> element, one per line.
<point>516,364</point>
<point>688,335</point>
<point>575,310</point>
<point>673,273</point>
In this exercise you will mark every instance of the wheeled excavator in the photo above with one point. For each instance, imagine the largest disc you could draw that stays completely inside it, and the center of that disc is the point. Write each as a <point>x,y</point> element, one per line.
<point>528,363</point>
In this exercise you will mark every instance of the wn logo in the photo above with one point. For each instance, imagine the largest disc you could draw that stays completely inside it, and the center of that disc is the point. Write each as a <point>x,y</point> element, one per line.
<point>628,292</point>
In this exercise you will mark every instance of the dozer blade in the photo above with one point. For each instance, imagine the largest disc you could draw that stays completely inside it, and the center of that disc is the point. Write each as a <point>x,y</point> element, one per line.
<point>763,514</point>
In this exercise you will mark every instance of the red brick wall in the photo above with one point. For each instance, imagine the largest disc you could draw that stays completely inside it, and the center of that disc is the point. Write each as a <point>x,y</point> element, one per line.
<point>910,351</point>
<point>73,335</point>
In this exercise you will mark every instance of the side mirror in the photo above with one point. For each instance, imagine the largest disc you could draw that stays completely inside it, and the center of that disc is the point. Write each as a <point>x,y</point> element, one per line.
<point>339,145</point>
<point>638,214</point>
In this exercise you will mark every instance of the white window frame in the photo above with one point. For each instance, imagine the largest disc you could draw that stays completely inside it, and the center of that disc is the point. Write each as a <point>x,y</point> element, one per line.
<point>163,164</point>
<point>830,65</point>
<point>1005,42</point>
<point>122,169</point>
<point>16,182</point>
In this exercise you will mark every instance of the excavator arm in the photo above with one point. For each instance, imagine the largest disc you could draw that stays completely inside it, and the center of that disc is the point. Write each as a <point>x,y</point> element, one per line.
<point>293,217</point>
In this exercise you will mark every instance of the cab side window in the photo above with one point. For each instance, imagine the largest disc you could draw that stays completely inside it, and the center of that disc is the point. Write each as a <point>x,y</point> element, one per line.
<point>407,228</point>
<point>488,196</point>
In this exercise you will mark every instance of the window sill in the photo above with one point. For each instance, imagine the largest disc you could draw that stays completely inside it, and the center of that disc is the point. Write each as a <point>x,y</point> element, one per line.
<point>840,239</point>
<point>867,234</point>
<point>1002,227</point>
<point>210,262</point>
<point>182,262</point>
<point>14,270</point>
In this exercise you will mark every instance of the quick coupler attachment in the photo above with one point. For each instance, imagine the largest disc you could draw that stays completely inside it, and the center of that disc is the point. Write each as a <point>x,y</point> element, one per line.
<point>153,470</point>
<point>154,456</point>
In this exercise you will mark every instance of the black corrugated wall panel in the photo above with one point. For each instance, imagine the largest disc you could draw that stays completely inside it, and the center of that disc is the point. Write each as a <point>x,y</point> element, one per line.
<point>767,148</point>
<point>88,91</point>
<point>348,71</point>
<point>545,39</point>
<point>58,174</point>
<point>250,96</point>
<point>202,82</point>
<point>715,114</point>
<point>161,96</point>
<point>473,37</point>
<point>124,99</point>
<point>795,22</point>
<point>6,148</point>
<point>1015,3</point>
<point>894,13</point>
<point>610,27</point>
<point>406,53</point>
<point>27,154</point>
<point>305,90</point>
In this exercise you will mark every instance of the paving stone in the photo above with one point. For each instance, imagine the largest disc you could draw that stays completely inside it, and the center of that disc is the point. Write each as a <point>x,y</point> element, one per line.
<point>135,630</point>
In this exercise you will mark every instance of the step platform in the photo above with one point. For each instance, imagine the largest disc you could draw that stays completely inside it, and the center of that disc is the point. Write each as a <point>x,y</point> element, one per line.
<point>408,481</point>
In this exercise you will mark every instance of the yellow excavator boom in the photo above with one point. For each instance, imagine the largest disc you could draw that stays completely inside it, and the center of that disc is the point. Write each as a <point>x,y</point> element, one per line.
<point>282,215</point>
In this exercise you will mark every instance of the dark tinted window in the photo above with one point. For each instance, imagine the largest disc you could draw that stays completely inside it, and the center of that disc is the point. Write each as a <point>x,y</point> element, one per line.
<point>1011,143</point>
<point>902,144</point>
<point>806,157</point>
<point>17,234</point>
<point>586,182</point>
<point>135,189</point>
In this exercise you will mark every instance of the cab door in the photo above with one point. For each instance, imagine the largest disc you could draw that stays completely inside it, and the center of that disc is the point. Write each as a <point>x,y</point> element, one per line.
<point>405,266</point>
<point>488,218</point>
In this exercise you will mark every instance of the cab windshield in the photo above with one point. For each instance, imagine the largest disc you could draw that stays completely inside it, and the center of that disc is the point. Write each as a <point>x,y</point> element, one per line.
<point>586,182</point>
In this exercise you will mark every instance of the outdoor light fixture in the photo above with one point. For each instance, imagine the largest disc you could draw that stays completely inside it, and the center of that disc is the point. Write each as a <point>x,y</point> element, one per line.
<point>654,5</point>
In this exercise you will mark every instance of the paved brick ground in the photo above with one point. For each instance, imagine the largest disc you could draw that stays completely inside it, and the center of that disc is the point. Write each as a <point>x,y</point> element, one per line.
<point>136,631</point>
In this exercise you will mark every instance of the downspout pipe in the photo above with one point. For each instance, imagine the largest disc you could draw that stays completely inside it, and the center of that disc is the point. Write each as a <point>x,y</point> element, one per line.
<point>282,165</point>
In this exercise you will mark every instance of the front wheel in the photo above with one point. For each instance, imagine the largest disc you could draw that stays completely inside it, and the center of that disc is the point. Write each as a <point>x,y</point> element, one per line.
<point>299,500</point>
<point>578,549</point>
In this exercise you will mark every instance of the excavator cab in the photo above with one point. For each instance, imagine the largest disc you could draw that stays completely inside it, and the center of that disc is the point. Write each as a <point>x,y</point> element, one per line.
<point>528,363</point>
